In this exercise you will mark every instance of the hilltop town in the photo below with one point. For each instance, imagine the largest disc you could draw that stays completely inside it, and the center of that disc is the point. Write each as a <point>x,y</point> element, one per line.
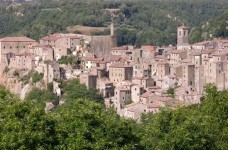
<point>131,80</point>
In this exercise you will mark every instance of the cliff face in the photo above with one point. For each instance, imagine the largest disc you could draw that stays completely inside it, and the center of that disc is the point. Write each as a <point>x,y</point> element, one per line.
<point>13,84</point>
<point>16,86</point>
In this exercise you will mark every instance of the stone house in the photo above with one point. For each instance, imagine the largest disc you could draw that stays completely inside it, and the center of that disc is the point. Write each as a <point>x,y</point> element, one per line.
<point>15,45</point>
<point>122,94</point>
<point>89,62</point>
<point>105,88</point>
<point>90,80</point>
<point>142,69</point>
<point>143,81</point>
<point>136,92</point>
<point>176,56</point>
<point>45,52</point>
<point>188,75</point>
<point>120,72</point>
<point>119,50</point>
<point>169,81</point>
<point>63,44</point>
<point>51,71</point>
<point>22,61</point>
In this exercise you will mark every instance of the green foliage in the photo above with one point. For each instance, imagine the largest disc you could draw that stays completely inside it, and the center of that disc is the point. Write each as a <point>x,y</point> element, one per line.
<point>36,77</point>
<point>170,91</point>
<point>81,125</point>
<point>67,60</point>
<point>16,74</point>
<point>105,32</point>
<point>210,29</point>
<point>75,90</point>
<point>127,102</point>
<point>84,124</point>
<point>41,96</point>
<point>194,127</point>
<point>125,36</point>
<point>138,22</point>
<point>50,86</point>
<point>24,125</point>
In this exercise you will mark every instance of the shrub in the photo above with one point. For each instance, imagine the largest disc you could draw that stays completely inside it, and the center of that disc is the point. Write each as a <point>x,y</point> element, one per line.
<point>36,77</point>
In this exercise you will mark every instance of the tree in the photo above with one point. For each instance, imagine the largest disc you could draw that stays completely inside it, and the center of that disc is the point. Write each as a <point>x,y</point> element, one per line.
<point>75,90</point>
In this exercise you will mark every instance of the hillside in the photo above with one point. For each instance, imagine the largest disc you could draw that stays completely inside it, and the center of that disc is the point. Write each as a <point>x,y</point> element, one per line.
<point>82,123</point>
<point>138,22</point>
<point>211,29</point>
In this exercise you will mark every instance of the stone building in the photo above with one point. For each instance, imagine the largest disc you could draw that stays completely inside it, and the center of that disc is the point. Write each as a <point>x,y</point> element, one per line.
<point>51,71</point>
<point>122,94</point>
<point>63,44</point>
<point>15,45</point>
<point>44,52</point>
<point>182,38</point>
<point>89,80</point>
<point>120,72</point>
<point>136,92</point>
<point>105,88</point>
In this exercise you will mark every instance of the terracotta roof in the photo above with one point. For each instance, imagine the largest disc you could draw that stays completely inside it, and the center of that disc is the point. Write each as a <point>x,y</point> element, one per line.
<point>162,63</point>
<point>148,47</point>
<point>177,51</point>
<point>153,105</point>
<point>183,27</point>
<point>220,54</point>
<point>120,48</point>
<point>16,39</point>
<point>114,57</point>
<point>92,59</point>
<point>120,65</point>
<point>74,37</point>
<point>146,95</point>
<point>52,37</point>
<point>207,51</point>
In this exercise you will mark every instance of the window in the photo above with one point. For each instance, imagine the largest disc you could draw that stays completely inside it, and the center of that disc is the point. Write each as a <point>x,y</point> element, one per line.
<point>179,32</point>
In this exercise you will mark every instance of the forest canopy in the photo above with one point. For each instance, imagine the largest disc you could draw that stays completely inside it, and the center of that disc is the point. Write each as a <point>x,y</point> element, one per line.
<point>137,22</point>
<point>86,124</point>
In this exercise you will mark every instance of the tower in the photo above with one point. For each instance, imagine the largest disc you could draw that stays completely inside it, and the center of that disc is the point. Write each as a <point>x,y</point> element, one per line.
<point>182,35</point>
<point>112,29</point>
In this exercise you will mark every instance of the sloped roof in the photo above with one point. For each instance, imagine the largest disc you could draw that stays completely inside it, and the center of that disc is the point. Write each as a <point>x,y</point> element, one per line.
<point>17,39</point>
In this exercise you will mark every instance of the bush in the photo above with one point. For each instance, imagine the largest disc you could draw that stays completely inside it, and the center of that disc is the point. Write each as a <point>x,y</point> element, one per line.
<point>16,74</point>
<point>36,77</point>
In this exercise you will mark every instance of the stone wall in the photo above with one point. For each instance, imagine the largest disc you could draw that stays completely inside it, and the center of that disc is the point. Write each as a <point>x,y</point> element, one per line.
<point>102,45</point>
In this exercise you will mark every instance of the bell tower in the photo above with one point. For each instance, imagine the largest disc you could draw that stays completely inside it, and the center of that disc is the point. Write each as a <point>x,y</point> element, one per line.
<point>182,35</point>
